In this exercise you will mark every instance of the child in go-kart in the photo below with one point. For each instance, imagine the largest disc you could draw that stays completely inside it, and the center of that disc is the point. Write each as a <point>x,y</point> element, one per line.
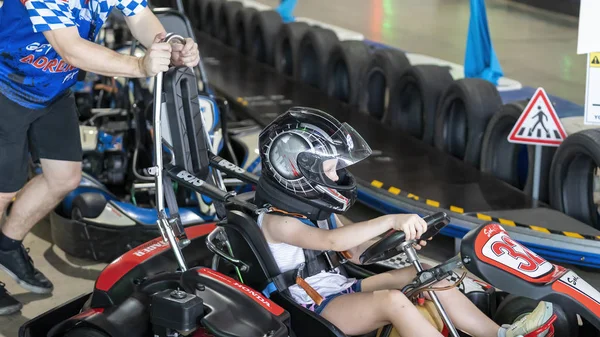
<point>305,153</point>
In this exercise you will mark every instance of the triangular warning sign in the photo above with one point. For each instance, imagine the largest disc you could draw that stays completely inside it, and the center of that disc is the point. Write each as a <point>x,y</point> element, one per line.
<point>539,124</point>
<point>595,60</point>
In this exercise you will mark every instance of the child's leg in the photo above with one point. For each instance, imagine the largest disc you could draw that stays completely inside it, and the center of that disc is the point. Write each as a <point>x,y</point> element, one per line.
<point>469,318</point>
<point>361,313</point>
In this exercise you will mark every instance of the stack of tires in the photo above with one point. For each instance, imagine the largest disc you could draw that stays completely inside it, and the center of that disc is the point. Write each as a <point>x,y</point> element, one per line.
<point>465,117</point>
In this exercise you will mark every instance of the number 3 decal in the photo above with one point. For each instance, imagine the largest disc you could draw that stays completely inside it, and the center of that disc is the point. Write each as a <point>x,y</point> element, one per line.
<point>529,262</point>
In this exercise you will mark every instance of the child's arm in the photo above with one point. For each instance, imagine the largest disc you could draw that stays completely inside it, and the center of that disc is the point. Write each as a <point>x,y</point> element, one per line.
<point>355,252</point>
<point>293,232</point>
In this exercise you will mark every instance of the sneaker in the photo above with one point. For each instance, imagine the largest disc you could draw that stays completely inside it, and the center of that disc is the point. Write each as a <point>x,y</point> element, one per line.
<point>533,321</point>
<point>19,265</point>
<point>8,304</point>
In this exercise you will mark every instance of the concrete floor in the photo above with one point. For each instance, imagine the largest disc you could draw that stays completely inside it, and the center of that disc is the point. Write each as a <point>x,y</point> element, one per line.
<point>535,47</point>
<point>71,277</point>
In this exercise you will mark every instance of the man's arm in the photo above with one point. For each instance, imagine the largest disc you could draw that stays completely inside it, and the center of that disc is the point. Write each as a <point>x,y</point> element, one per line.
<point>144,26</point>
<point>92,57</point>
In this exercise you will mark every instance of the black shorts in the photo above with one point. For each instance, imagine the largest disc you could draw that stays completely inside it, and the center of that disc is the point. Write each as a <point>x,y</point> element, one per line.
<point>49,133</point>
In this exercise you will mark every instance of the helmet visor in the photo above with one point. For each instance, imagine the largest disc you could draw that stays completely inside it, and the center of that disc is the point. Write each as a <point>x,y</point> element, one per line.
<point>345,147</point>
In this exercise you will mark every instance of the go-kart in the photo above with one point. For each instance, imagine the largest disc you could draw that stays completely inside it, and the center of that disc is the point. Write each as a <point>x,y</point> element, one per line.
<point>231,288</point>
<point>112,210</point>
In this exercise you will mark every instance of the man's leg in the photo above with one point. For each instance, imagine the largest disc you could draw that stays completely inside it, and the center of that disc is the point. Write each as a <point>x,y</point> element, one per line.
<point>54,138</point>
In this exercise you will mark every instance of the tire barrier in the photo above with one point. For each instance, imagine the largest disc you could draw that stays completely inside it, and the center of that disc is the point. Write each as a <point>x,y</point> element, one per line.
<point>414,99</point>
<point>345,69</point>
<point>264,27</point>
<point>513,163</point>
<point>241,29</point>
<point>462,116</point>
<point>226,19</point>
<point>384,67</point>
<point>572,175</point>
<point>285,49</point>
<point>210,12</point>
<point>313,55</point>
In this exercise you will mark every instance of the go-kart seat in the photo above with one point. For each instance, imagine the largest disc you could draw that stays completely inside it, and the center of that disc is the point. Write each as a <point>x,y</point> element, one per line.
<point>249,244</point>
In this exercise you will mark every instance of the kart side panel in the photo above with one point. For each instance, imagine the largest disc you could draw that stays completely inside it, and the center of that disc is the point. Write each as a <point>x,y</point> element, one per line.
<point>490,254</point>
<point>40,325</point>
<point>116,282</point>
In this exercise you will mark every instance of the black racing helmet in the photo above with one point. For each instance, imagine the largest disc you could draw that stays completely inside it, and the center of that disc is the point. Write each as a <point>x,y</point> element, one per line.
<point>304,150</point>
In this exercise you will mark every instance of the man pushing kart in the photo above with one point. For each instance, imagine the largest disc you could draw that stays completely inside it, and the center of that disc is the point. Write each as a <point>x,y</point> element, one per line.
<point>43,44</point>
<point>304,182</point>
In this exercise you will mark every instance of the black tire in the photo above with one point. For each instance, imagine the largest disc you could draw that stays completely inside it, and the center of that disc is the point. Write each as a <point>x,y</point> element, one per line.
<point>382,71</point>
<point>313,53</point>
<point>241,29</point>
<point>462,116</point>
<point>264,27</point>
<point>210,16</point>
<point>88,205</point>
<point>572,176</point>
<point>414,100</point>
<point>506,160</point>
<point>513,307</point>
<point>227,13</point>
<point>285,49</point>
<point>85,332</point>
<point>345,68</point>
<point>195,13</point>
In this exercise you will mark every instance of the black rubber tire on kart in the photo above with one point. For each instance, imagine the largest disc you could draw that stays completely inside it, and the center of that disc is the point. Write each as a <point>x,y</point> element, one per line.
<point>210,18</point>
<point>382,71</point>
<point>84,332</point>
<point>462,116</point>
<point>504,159</point>
<point>313,53</point>
<point>345,68</point>
<point>285,48</point>
<point>572,176</point>
<point>513,307</point>
<point>264,27</point>
<point>414,99</point>
<point>241,29</point>
<point>88,205</point>
<point>226,19</point>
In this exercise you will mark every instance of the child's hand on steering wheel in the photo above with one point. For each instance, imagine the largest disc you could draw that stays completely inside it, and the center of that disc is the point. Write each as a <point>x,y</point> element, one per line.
<point>412,225</point>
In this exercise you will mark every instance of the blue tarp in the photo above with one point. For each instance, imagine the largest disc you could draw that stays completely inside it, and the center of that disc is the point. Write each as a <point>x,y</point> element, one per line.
<point>480,57</point>
<point>286,10</point>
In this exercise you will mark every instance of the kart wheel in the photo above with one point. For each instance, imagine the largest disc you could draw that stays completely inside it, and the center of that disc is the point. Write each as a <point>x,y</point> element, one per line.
<point>85,332</point>
<point>88,205</point>
<point>515,307</point>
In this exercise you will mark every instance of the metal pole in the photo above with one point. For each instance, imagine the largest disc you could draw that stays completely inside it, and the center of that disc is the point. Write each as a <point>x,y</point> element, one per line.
<point>411,254</point>
<point>536,172</point>
<point>163,223</point>
<point>160,197</point>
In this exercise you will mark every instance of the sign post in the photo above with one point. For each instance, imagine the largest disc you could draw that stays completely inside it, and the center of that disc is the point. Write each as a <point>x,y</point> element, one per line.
<point>592,87</point>
<point>538,125</point>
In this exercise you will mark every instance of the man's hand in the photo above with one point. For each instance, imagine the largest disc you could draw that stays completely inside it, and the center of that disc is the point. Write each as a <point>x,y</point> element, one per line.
<point>157,58</point>
<point>185,55</point>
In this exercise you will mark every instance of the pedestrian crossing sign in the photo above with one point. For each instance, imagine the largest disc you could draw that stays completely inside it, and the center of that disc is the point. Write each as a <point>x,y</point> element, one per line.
<point>538,124</point>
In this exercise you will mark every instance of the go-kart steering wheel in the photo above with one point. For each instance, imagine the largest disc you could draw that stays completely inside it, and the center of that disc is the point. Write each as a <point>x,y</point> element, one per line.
<point>389,246</point>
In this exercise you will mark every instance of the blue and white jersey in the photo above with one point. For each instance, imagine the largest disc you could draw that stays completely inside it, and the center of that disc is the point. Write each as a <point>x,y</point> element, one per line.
<point>31,71</point>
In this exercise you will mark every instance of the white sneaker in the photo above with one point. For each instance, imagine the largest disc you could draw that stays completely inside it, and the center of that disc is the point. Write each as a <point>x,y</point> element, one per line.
<point>533,321</point>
